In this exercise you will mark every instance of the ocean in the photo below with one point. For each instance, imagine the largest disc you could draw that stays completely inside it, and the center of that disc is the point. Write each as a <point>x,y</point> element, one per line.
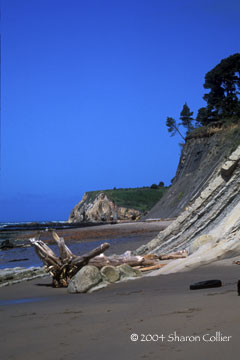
<point>27,257</point>
<point>13,233</point>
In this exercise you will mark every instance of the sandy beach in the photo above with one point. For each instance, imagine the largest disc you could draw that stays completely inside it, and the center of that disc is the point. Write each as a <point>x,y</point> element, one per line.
<point>39,322</point>
<point>57,325</point>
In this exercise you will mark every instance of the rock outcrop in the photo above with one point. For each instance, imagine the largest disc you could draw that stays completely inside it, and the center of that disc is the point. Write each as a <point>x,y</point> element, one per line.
<point>204,151</point>
<point>210,227</point>
<point>100,209</point>
<point>9,276</point>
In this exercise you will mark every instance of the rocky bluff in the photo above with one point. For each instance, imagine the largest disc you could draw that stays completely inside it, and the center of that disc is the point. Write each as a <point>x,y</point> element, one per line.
<point>209,225</point>
<point>100,208</point>
<point>204,151</point>
<point>116,204</point>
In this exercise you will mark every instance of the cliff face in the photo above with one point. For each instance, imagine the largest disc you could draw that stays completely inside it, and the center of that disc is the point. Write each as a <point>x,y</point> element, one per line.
<point>100,208</point>
<point>210,226</point>
<point>202,153</point>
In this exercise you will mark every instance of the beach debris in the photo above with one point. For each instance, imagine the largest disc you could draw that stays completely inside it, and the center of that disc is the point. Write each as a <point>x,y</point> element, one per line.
<point>206,254</point>
<point>238,287</point>
<point>236,262</point>
<point>63,268</point>
<point>206,284</point>
<point>176,255</point>
<point>149,268</point>
<point>115,260</point>
<point>67,265</point>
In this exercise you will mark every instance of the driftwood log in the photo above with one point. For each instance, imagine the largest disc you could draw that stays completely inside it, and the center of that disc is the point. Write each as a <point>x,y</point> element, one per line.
<point>236,262</point>
<point>67,265</point>
<point>149,268</point>
<point>62,268</point>
<point>173,256</point>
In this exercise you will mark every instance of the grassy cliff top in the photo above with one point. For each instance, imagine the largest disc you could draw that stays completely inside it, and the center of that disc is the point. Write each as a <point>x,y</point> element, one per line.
<point>142,199</point>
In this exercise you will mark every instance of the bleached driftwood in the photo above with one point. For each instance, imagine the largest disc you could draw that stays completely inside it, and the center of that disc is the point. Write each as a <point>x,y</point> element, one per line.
<point>172,256</point>
<point>63,268</point>
<point>115,260</point>
<point>149,268</point>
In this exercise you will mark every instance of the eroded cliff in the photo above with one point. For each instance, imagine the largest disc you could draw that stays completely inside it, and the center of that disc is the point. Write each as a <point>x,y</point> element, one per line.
<point>100,209</point>
<point>203,152</point>
<point>116,204</point>
<point>210,226</point>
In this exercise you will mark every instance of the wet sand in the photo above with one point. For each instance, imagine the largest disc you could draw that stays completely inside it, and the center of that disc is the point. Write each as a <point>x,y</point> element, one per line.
<point>39,322</point>
<point>101,232</point>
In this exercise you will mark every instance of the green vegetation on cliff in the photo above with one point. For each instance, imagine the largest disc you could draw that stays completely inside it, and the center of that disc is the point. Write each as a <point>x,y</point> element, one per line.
<point>142,199</point>
<point>222,98</point>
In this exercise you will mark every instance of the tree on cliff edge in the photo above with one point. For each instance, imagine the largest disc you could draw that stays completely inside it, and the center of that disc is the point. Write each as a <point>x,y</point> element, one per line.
<point>223,98</point>
<point>173,127</point>
<point>186,121</point>
<point>186,118</point>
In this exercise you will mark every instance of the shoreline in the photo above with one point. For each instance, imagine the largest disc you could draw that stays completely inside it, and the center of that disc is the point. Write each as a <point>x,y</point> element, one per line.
<point>121,237</point>
<point>106,231</point>
<point>88,231</point>
<point>42,322</point>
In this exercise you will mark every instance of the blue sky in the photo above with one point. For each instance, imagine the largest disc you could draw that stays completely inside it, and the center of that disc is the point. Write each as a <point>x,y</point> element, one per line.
<point>87,87</point>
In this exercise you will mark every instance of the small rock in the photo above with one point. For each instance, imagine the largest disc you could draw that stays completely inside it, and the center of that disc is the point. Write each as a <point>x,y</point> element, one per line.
<point>6,244</point>
<point>85,279</point>
<point>15,260</point>
<point>110,273</point>
<point>126,271</point>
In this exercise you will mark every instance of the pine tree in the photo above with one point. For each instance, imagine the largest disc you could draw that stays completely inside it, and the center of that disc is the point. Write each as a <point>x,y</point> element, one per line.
<point>186,118</point>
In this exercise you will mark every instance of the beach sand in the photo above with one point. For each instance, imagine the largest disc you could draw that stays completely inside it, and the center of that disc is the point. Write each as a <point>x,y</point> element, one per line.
<point>101,232</point>
<point>39,322</point>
